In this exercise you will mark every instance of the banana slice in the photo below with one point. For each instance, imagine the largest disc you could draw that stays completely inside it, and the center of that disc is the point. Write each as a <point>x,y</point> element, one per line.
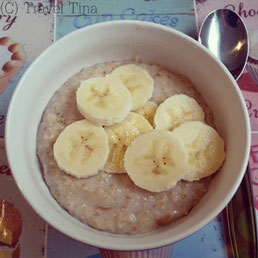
<point>175,110</point>
<point>156,160</point>
<point>138,82</point>
<point>204,146</point>
<point>120,136</point>
<point>103,100</point>
<point>148,111</point>
<point>81,149</point>
<point>139,122</point>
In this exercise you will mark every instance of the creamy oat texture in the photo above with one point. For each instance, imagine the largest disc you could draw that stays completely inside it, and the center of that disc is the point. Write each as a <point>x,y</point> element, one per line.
<point>112,202</point>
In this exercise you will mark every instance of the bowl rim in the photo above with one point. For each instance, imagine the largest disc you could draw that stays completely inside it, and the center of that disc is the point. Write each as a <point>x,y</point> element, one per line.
<point>138,245</point>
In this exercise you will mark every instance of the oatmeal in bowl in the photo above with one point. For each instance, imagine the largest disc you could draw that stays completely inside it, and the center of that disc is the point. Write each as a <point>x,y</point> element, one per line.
<point>137,172</point>
<point>108,197</point>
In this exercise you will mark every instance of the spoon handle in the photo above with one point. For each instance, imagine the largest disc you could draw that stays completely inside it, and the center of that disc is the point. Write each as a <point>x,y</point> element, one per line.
<point>243,197</point>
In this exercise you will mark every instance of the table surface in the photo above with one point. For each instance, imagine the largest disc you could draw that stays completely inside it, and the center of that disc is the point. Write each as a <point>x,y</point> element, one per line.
<point>36,25</point>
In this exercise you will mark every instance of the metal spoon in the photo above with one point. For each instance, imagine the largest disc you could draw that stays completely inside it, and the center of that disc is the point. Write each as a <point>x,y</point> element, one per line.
<point>223,32</point>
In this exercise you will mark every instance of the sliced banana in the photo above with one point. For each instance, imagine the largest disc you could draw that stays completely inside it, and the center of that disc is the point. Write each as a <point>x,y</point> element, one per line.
<point>175,110</point>
<point>103,100</point>
<point>139,121</point>
<point>204,146</point>
<point>148,111</point>
<point>138,82</point>
<point>156,160</point>
<point>120,136</point>
<point>81,149</point>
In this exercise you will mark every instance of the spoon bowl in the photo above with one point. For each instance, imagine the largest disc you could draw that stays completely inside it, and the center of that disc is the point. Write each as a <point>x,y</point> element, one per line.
<point>224,33</point>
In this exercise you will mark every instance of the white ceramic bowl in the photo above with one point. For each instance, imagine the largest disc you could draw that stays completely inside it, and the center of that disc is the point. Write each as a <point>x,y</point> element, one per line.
<point>119,41</point>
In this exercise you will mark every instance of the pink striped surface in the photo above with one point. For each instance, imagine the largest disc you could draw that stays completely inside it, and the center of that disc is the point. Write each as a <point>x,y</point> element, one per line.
<point>164,252</point>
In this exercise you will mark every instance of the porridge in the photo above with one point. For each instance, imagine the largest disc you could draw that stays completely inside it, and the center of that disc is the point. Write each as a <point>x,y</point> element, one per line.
<point>108,201</point>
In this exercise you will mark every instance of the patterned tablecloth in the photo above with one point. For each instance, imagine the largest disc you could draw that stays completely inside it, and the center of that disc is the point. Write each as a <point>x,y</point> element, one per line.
<point>33,25</point>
